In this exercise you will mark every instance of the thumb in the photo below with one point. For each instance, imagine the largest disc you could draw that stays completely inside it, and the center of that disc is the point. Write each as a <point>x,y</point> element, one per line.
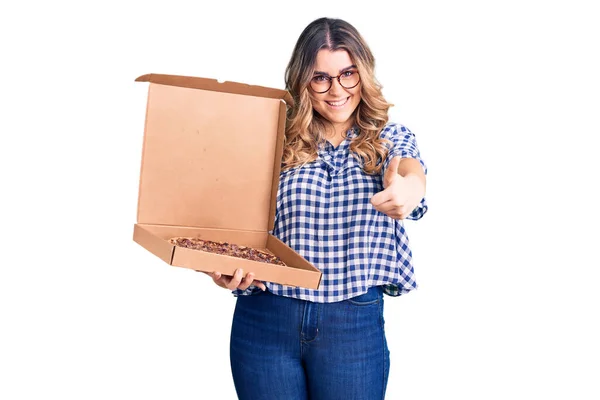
<point>391,172</point>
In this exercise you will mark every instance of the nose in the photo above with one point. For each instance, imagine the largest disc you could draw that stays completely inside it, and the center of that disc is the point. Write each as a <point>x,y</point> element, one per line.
<point>336,87</point>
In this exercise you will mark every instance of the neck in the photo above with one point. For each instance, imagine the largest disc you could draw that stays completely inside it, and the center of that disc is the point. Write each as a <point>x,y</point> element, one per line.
<point>338,130</point>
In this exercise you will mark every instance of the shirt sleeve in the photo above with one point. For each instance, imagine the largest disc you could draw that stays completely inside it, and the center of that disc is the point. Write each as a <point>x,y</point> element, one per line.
<point>404,144</point>
<point>248,292</point>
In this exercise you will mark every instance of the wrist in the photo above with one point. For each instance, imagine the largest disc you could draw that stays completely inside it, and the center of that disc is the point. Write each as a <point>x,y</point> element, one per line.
<point>417,182</point>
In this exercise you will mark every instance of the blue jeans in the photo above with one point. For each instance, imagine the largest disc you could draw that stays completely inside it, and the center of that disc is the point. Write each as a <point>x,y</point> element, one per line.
<point>288,349</point>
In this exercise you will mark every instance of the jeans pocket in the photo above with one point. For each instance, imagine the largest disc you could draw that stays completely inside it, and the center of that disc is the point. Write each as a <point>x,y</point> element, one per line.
<point>372,296</point>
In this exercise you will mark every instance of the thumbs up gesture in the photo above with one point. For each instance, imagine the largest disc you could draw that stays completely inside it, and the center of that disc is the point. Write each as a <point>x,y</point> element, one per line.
<point>402,193</point>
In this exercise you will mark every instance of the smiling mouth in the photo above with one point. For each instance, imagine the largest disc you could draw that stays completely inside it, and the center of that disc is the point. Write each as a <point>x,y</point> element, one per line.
<point>337,104</point>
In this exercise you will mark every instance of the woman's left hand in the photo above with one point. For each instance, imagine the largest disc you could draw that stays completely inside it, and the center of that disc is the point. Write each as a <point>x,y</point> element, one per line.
<point>401,194</point>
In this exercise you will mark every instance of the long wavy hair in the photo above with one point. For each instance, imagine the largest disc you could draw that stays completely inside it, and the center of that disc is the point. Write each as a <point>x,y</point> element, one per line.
<point>305,127</point>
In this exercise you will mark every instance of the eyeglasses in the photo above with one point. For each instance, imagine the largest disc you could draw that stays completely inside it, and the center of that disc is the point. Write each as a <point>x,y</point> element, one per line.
<point>322,83</point>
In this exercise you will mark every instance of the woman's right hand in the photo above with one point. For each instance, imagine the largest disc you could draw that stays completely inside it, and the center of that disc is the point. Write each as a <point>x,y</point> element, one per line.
<point>236,281</point>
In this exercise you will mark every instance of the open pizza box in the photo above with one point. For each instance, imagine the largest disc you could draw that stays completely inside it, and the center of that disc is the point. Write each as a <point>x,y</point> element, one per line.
<point>210,168</point>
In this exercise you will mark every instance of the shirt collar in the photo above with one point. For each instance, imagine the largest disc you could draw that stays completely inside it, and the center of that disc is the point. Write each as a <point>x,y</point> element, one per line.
<point>350,134</point>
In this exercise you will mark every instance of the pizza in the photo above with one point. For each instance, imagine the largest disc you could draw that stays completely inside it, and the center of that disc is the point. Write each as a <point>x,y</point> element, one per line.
<point>226,249</point>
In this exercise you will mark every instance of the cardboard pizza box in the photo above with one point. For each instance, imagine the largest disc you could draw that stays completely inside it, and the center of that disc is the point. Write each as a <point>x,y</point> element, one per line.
<point>211,160</point>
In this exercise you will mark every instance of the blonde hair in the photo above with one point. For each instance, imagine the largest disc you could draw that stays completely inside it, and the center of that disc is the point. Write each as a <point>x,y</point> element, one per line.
<point>305,127</point>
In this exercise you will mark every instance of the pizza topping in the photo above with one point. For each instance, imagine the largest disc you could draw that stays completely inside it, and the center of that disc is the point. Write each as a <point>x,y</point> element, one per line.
<point>227,249</point>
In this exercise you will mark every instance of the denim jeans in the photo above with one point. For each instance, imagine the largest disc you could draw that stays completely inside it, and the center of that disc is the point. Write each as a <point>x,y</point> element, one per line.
<point>288,349</point>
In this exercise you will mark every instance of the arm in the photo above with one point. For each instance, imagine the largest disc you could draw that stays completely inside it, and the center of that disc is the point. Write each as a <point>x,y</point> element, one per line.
<point>411,166</point>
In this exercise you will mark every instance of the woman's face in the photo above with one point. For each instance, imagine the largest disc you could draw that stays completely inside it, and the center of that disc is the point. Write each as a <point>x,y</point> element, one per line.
<point>337,104</point>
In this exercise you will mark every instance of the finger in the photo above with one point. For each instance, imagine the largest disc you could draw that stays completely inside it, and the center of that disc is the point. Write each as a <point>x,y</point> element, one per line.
<point>400,214</point>
<point>218,279</point>
<point>403,212</point>
<point>247,281</point>
<point>259,284</point>
<point>381,197</point>
<point>407,210</point>
<point>389,207</point>
<point>215,275</point>
<point>392,171</point>
<point>393,210</point>
<point>236,279</point>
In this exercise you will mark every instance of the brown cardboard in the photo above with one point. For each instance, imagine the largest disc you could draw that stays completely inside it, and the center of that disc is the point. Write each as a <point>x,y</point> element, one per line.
<point>210,169</point>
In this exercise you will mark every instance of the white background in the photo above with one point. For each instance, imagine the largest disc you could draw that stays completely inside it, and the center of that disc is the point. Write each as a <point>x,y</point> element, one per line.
<point>504,100</point>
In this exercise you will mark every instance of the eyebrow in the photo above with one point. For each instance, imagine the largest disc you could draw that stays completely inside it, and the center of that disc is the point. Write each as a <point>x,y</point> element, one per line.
<point>341,71</point>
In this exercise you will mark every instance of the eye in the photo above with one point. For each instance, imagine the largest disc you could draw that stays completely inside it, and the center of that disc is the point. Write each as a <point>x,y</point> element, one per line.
<point>348,74</point>
<point>320,78</point>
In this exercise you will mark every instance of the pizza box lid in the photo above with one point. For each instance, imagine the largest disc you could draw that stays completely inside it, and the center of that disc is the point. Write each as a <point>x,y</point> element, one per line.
<point>211,153</point>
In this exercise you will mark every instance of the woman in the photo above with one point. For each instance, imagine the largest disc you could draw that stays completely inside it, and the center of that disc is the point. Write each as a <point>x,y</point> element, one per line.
<point>348,180</point>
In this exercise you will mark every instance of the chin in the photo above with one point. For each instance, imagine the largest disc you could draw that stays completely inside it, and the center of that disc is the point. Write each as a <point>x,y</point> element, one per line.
<point>339,121</point>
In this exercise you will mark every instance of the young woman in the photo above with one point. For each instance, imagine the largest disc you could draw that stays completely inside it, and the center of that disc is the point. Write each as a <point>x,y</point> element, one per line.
<point>349,178</point>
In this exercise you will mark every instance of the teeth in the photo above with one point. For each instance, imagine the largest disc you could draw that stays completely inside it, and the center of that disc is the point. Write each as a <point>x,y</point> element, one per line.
<point>337,103</point>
